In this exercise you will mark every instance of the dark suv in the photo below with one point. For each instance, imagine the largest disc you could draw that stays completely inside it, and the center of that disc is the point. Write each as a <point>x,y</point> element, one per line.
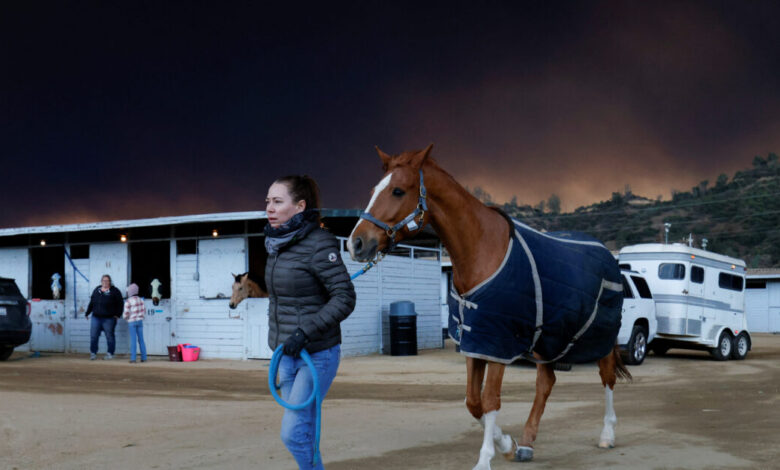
<point>15,326</point>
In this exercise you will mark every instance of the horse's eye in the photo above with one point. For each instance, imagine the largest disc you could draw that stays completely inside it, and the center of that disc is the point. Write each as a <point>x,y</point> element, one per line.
<point>398,192</point>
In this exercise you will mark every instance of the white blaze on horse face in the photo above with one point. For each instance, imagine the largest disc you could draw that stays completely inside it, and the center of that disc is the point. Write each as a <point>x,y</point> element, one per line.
<point>381,186</point>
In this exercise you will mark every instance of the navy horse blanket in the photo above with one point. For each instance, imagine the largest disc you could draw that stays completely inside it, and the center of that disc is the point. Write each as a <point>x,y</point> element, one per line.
<point>559,294</point>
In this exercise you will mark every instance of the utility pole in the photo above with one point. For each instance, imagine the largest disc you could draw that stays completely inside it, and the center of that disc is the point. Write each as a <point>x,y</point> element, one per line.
<point>667,225</point>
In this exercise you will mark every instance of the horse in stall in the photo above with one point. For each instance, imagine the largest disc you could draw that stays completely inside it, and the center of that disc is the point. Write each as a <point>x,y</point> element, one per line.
<point>244,287</point>
<point>517,293</point>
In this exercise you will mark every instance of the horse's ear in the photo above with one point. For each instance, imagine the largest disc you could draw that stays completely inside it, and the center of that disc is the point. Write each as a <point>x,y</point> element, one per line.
<point>385,157</point>
<point>236,277</point>
<point>419,158</point>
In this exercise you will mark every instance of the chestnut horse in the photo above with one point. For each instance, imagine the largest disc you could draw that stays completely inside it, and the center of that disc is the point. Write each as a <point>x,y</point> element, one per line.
<point>415,191</point>
<point>244,287</point>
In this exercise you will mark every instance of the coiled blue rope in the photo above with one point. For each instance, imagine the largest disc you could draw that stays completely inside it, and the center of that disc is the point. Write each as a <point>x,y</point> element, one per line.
<point>314,397</point>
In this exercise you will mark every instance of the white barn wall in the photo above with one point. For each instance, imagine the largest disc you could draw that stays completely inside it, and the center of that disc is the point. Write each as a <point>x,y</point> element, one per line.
<point>206,323</point>
<point>762,307</point>
<point>418,281</point>
<point>360,331</point>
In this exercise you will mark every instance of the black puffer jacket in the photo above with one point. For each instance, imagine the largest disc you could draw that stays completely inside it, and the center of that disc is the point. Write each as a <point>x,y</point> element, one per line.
<point>106,304</point>
<point>308,288</point>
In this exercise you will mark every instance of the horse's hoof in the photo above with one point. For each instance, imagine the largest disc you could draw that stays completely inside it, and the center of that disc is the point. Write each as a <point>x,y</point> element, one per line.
<point>524,454</point>
<point>606,444</point>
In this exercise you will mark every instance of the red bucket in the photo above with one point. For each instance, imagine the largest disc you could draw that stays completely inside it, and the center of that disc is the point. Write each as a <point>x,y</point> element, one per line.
<point>173,354</point>
<point>190,353</point>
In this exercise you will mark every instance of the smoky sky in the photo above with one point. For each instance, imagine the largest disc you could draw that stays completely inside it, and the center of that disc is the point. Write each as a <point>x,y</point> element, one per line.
<point>112,110</point>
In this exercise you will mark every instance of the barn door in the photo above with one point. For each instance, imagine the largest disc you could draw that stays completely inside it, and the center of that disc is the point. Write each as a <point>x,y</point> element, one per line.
<point>48,320</point>
<point>256,322</point>
<point>217,259</point>
<point>111,259</point>
<point>157,327</point>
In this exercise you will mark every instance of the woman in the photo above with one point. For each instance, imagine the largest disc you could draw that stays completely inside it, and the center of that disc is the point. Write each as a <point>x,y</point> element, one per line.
<point>106,303</point>
<point>310,295</point>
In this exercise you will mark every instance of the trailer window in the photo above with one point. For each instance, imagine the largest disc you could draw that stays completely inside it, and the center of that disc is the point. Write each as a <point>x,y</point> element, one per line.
<point>625,266</point>
<point>671,271</point>
<point>627,293</point>
<point>642,287</point>
<point>730,282</point>
<point>697,274</point>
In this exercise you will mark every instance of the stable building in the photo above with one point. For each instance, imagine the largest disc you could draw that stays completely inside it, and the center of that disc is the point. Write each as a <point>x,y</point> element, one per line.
<point>194,258</point>
<point>762,300</point>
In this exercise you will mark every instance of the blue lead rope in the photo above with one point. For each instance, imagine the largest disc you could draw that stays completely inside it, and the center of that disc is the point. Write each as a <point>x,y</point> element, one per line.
<point>363,270</point>
<point>314,397</point>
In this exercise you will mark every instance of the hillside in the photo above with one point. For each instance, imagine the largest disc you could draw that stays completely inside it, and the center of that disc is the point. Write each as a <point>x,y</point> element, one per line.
<point>739,216</point>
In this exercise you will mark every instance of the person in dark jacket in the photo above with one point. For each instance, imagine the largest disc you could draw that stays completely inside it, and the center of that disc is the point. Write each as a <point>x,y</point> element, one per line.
<point>310,294</point>
<point>106,304</point>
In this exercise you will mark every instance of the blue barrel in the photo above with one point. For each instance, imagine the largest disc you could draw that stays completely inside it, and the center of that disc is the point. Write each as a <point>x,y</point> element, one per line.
<point>403,329</point>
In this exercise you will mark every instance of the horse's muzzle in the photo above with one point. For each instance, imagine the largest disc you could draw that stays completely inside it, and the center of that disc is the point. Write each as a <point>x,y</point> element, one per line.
<point>363,250</point>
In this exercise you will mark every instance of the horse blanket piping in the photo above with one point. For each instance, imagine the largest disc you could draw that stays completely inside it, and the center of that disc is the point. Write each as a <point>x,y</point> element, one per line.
<point>558,294</point>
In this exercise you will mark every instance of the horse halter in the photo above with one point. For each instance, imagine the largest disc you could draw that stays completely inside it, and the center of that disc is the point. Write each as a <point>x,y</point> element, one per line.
<point>408,221</point>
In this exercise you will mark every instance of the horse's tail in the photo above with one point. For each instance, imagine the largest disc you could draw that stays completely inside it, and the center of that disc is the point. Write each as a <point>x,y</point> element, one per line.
<point>621,371</point>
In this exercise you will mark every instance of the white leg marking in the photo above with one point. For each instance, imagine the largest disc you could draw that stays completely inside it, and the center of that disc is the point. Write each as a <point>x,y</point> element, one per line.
<point>487,451</point>
<point>610,419</point>
<point>502,441</point>
<point>377,189</point>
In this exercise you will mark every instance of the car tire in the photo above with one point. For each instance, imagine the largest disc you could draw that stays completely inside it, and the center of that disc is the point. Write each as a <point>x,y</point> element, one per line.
<point>5,352</point>
<point>637,346</point>
<point>740,347</point>
<point>659,349</point>
<point>722,351</point>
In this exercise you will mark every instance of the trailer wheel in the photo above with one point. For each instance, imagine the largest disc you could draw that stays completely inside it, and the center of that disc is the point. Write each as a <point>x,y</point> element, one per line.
<point>5,352</point>
<point>722,351</point>
<point>740,347</point>
<point>637,346</point>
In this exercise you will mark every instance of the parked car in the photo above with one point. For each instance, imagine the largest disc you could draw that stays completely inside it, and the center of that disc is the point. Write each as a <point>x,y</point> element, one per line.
<point>639,325</point>
<point>15,325</point>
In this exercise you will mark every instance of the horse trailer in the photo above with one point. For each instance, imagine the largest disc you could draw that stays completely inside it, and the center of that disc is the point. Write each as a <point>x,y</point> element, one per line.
<point>699,297</point>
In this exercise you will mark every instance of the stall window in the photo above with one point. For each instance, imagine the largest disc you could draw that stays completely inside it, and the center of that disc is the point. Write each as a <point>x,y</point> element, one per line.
<point>79,251</point>
<point>257,258</point>
<point>150,261</point>
<point>627,293</point>
<point>730,282</point>
<point>46,262</point>
<point>671,271</point>
<point>642,287</point>
<point>756,284</point>
<point>186,247</point>
<point>697,274</point>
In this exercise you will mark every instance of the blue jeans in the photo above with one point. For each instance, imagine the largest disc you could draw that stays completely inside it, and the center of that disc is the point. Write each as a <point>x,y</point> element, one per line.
<point>102,324</point>
<point>296,385</point>
<point>136,329</point>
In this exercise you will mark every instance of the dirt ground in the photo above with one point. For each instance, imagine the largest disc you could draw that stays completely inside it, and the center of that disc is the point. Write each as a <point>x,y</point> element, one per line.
<point>683,410</point>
